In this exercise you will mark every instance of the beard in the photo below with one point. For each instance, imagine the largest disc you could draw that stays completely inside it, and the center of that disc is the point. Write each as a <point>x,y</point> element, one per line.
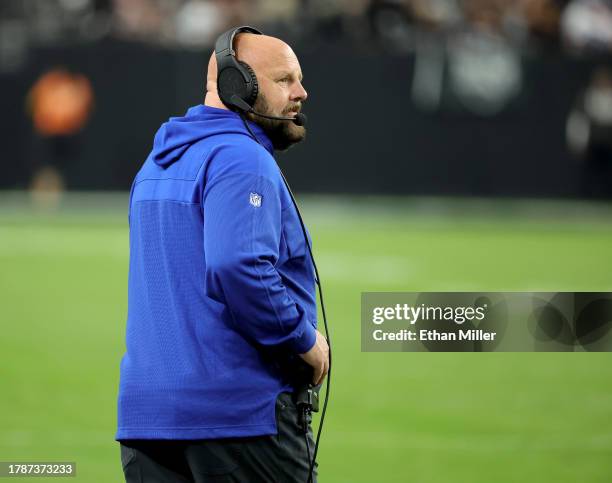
<point>282,134</point>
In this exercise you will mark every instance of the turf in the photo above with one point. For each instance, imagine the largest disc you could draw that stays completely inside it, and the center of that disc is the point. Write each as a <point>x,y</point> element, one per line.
<point>426,418</point>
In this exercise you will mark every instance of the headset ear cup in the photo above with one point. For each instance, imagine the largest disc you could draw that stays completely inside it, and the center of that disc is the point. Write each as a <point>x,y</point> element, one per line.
<point>254,90</point>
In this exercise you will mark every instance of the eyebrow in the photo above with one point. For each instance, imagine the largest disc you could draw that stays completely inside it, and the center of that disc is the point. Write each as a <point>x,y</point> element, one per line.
<point>290,74</point>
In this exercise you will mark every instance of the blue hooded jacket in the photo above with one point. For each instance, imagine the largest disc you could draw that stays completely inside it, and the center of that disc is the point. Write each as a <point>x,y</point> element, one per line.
<point>219,273</point>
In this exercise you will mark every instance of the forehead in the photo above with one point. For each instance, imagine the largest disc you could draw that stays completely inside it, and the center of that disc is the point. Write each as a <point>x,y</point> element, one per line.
<point>281,60</point>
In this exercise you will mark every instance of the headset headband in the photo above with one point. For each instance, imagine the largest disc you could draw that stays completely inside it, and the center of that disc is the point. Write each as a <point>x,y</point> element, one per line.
<point>224,46</point>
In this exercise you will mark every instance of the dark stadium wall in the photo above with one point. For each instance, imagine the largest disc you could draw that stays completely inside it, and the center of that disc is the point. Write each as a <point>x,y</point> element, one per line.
<point>365,135</point>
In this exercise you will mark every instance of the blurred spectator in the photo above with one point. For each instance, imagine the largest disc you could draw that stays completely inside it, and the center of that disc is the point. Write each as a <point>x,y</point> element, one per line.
<point>60,104</point>
<point>587,24</point>
<point>59,20</point>
<point>46,188</point>
<point>13,36</point>
<point>466,55</point>
<point>137,19</point>
<point>589,132</point>
<point>485,72</point>
<point>542,17</point>
<point>589,125</point>
<point>393,23</point>
<point>437,13</point>
<point>520,21</point>
<point>198,22</point>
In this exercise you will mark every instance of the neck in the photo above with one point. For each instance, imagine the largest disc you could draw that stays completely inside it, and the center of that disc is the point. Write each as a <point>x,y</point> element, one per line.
<point>212,99</point>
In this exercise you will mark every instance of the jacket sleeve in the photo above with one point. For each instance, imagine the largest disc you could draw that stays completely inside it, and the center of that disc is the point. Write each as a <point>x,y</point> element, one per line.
<point>242,231</point>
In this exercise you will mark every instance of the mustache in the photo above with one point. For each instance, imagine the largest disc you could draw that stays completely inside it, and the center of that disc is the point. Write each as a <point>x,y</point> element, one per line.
<point>295,108</point>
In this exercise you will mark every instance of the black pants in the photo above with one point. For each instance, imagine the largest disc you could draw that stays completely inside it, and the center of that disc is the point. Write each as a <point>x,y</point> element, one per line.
<point>278,458</point>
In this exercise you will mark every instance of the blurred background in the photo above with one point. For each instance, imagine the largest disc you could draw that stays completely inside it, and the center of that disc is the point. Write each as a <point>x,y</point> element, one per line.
<point>461,97</point>
<point>453,145</point>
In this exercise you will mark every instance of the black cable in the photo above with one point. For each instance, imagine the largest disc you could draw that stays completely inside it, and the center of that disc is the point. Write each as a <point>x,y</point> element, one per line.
<point>318,282</point>
<point>307,450</point>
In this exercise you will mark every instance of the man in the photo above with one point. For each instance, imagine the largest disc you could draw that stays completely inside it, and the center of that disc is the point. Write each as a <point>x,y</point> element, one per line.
<point>221,291</point>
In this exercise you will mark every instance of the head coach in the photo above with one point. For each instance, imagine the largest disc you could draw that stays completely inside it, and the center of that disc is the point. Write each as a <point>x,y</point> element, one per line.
<point>221,291</point>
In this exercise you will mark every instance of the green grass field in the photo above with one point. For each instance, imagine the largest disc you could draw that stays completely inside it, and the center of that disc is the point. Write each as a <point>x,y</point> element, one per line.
<point>401,417</point>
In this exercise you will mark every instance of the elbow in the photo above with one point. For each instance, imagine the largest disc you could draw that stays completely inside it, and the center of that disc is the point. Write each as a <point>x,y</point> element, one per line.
<point>223,268</point>
<point>238,272</point>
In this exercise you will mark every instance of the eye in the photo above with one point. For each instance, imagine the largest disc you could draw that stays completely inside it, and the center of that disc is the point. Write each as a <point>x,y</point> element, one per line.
<point>284,79</point>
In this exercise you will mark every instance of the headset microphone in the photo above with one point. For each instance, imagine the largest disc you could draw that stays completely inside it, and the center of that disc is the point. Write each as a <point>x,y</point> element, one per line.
<point>300,119</point>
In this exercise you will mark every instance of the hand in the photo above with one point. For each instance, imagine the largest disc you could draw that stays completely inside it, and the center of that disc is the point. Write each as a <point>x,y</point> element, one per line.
<point>318,359</point>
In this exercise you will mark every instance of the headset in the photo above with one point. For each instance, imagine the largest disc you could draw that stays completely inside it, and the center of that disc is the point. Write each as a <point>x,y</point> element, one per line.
<point>238,89</point>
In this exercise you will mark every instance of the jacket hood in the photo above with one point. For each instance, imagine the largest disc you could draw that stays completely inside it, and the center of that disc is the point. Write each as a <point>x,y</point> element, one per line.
<point>175,136</point>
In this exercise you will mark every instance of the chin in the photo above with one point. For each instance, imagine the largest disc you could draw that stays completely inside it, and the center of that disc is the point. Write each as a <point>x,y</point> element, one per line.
<point>289,135</point>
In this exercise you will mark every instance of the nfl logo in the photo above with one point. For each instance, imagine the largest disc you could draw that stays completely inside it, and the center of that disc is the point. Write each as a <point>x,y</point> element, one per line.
<point>255,200</point>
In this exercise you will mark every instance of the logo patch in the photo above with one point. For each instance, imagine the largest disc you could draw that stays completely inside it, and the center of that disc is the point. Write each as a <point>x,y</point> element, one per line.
<point>255,200</point>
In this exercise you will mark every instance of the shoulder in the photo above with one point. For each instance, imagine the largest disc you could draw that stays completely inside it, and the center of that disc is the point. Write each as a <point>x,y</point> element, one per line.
<point>240,154</point>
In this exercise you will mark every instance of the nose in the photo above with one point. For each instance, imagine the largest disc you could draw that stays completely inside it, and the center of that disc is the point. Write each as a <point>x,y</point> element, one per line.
<point>299,93</point>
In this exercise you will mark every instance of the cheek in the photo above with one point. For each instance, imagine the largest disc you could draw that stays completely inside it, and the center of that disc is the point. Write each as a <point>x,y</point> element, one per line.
<point>277,96</point>
<point>280,100</point>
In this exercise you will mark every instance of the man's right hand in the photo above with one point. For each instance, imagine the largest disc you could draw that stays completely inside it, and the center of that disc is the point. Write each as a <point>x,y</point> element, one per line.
<point>318,359</point>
